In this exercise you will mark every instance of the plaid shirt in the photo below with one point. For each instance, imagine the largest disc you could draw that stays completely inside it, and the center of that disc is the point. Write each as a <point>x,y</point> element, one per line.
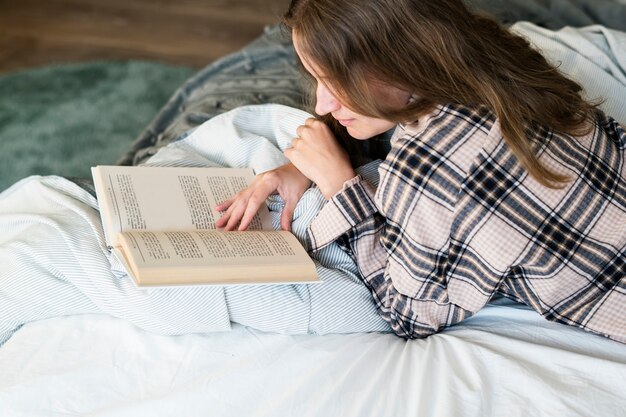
<point>455,219</point>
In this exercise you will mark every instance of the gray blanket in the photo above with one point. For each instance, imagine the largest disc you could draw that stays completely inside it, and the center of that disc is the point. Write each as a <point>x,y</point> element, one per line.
<point>554,14</point>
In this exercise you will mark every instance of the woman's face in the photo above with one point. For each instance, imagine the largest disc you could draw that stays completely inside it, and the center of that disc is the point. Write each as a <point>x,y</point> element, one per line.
<point>358,126</point>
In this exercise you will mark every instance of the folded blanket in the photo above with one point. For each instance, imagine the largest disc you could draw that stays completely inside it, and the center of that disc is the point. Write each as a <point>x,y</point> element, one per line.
<point>55,261</point>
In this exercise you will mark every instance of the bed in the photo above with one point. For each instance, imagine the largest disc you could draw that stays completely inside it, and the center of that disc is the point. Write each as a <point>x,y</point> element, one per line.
<point>76,337</point>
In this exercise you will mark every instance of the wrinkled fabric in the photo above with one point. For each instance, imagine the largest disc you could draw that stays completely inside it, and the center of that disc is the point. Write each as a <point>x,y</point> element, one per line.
<point>55,261</point>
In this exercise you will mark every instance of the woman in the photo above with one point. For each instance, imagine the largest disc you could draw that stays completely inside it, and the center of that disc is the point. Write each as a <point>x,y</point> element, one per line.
<point>501,179</point>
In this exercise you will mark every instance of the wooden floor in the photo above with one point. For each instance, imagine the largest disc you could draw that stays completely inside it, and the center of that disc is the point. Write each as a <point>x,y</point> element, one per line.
<point>181,32</point>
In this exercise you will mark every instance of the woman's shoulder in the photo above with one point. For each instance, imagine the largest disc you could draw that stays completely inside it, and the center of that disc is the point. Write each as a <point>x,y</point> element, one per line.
<point>452,133</point>
<point>446,121</point>
<point>434,154</point>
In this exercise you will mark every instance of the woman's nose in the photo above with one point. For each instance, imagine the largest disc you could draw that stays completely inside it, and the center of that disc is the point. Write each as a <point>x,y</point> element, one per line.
<point>325,101</point>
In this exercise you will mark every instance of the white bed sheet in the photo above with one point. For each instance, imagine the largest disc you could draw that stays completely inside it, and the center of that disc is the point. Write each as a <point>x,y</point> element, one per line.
<point>505,361</point>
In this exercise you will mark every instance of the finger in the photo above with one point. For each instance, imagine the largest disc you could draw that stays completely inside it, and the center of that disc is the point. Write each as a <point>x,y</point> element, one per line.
<point>224,204</point>
<point>294,142</point>
<point>248,216</point>
<point>288,153</point>
<point>292,156</point>
<point>223,208</point>
<point>286,216</point>
<point>219,223</point>
<point>235,216</point>
<point>256,200</point>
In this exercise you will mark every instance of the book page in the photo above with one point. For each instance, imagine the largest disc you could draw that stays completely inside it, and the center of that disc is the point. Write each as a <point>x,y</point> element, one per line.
<point>168,198</point>
<point>208,256</point>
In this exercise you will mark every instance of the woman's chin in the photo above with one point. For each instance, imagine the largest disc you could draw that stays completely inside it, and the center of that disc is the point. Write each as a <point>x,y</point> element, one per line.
<point>359,134</point>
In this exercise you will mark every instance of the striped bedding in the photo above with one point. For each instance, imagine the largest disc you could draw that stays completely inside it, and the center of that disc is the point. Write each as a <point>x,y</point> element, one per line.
<point>55,262</point>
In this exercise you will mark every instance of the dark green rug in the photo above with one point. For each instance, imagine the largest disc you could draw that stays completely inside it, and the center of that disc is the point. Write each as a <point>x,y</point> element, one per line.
<point>63,119</point>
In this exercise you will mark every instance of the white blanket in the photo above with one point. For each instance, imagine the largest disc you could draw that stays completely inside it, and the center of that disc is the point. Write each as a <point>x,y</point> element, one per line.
<point>72,355</point>
<point>505,361</point>
<point>55,262</point>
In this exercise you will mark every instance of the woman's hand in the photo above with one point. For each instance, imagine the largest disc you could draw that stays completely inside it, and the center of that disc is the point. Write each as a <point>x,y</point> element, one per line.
<point>241,208</point>
<point>318,155</point>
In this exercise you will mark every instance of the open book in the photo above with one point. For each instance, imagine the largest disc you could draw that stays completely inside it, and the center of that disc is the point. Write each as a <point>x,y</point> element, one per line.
<point>160,224</point>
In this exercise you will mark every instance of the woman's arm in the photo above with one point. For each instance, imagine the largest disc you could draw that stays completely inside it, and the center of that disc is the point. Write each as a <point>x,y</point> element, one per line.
<point>240,209</point>
<point>316,156</point>
<point>411,237</point>
<point>352,219</point>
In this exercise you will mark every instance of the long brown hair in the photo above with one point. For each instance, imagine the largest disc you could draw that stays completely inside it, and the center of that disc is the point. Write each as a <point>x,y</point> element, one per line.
<point>443,54</point>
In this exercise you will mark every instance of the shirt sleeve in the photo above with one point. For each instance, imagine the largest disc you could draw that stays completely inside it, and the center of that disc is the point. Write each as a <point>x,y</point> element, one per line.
<point>352,220</point>
<point>456,219</point>
<point>350,207</point>
<point>399,234</point>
